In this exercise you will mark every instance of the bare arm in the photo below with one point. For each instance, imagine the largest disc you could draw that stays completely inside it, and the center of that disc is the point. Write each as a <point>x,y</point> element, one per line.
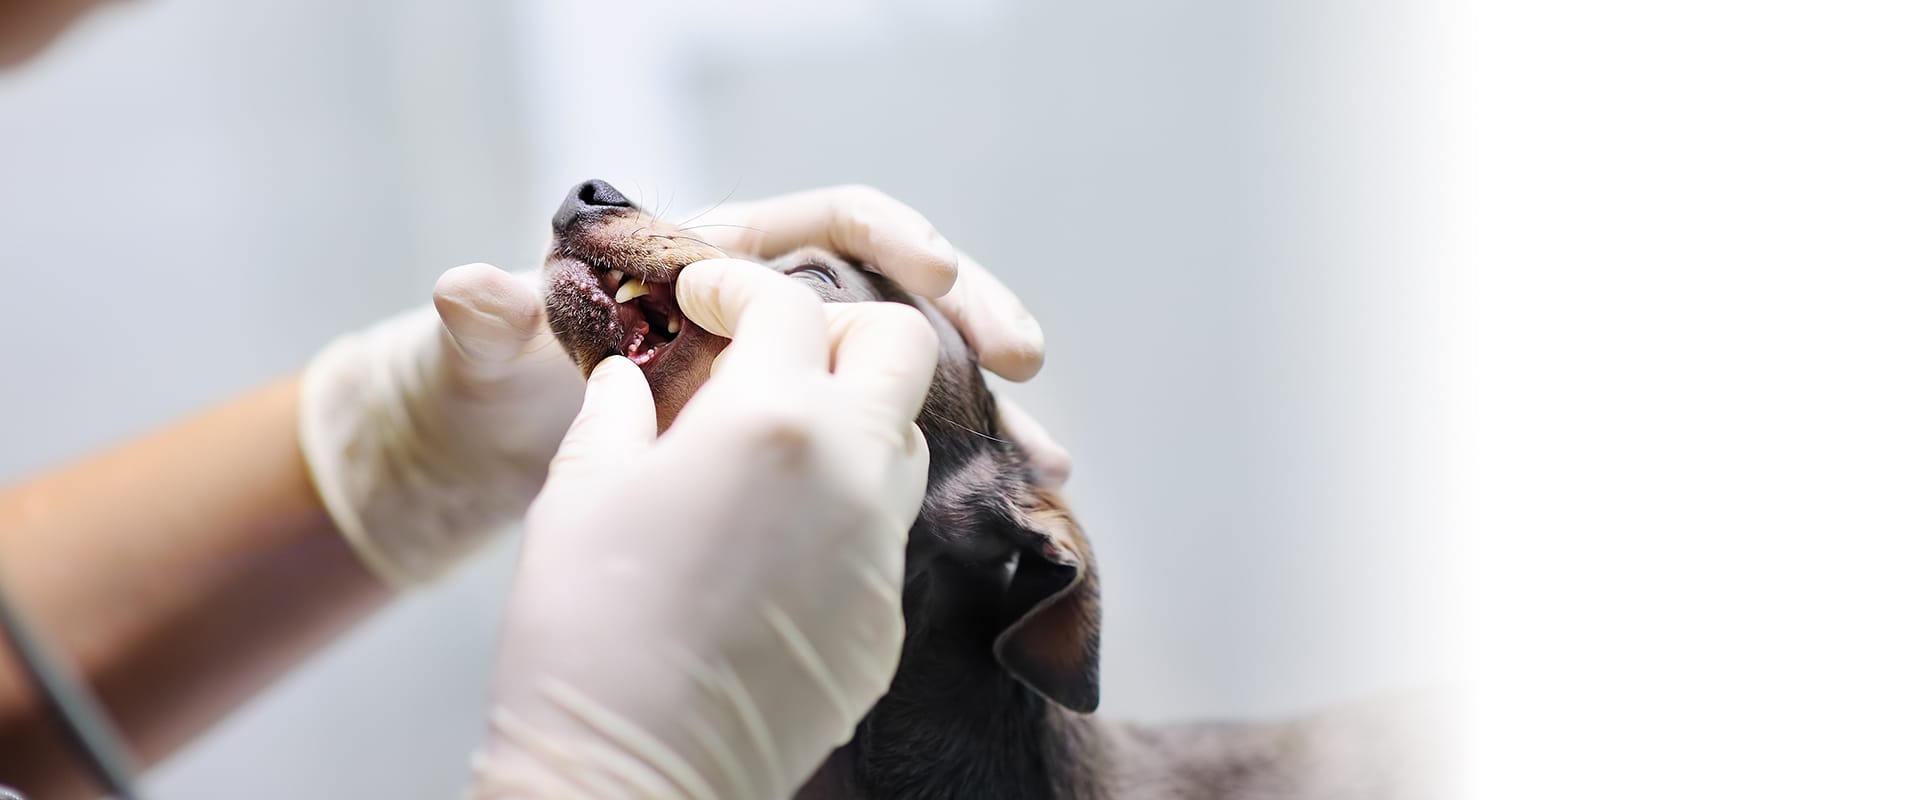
<point>180,573</point>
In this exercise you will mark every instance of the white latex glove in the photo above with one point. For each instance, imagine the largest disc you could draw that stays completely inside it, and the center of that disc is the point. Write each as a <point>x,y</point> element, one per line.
<point>708,614</point>
<point>427,433</point>
<point>871,227</point>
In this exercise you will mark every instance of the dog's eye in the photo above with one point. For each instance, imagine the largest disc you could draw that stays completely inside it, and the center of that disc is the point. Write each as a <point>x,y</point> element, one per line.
<point>815,272</point>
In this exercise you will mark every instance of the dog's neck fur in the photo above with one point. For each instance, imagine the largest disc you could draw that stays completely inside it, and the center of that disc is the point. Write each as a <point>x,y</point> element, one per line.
<point>955,723</point>
<point>959,726</point>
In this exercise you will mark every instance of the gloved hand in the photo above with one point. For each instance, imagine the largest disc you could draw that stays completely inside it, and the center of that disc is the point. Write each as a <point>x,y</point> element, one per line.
<point>869,226</point>
<point>425,436</point>
<point>708,614</point>
<point>426,433</point>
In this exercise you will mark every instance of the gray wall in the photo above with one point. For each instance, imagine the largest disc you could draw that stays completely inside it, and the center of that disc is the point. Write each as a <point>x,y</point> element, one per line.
<point>1220,211</point>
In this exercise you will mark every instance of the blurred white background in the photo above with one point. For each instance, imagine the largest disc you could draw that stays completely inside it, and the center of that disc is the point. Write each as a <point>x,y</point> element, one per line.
<point>1224,213</point>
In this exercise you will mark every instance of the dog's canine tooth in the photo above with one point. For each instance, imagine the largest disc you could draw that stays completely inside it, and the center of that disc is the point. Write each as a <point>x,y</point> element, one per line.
<point>673,325</point>
<point>629,290</point>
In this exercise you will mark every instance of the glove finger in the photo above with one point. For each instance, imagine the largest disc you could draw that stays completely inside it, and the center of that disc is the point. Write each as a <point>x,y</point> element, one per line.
<point>918,458</point>
<point>616,417</point>
<point>774,322</point>
<point>869,226</point>
<point>858,222</point>
<point>492,315</point>
<point>1050,462</point>
<point>995,323</point>
<point>887,351</point>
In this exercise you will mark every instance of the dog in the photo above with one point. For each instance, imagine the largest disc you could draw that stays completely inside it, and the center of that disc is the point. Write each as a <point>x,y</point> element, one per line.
<point>999,672</point>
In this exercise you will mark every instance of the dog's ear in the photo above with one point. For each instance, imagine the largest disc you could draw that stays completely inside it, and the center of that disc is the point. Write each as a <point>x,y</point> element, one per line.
<point>1052,640</point>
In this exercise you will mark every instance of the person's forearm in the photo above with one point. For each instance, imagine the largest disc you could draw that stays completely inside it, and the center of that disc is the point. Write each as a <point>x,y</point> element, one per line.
<point>179,573</point>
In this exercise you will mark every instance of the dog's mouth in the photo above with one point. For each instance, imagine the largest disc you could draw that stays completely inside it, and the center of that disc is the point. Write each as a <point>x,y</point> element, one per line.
<point>646,314</point>
<point>602,304</point>
<point>610,277</point>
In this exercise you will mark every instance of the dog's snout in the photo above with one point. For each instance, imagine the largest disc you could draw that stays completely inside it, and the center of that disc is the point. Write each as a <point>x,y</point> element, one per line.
<point>588,198</point>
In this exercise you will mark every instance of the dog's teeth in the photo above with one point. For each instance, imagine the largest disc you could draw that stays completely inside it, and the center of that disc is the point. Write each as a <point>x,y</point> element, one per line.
<point>629,290</point>
<point>673,325</point>
<point>618,276</point>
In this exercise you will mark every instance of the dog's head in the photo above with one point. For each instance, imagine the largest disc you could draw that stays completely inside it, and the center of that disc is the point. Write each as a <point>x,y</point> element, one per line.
<point>996,570</point>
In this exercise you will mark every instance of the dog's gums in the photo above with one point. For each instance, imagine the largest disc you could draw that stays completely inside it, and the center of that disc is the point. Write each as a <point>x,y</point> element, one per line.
<point>649,313</point>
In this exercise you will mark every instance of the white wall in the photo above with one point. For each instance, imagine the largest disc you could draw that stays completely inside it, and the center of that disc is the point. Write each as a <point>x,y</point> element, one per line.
<point>1211,208</point>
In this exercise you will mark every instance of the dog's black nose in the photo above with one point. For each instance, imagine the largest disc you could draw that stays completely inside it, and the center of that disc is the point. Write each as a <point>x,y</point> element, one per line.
<point>588,198</point>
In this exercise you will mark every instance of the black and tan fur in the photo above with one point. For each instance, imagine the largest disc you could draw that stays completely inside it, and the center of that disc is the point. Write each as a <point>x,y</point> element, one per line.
<point>1000,669</point>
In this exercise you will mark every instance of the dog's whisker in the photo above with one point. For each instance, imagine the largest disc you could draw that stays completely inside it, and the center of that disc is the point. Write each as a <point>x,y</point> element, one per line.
<point>711,208</point>
<point>667,207</point>
<point>723,225</point>
<point>931,413</point>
